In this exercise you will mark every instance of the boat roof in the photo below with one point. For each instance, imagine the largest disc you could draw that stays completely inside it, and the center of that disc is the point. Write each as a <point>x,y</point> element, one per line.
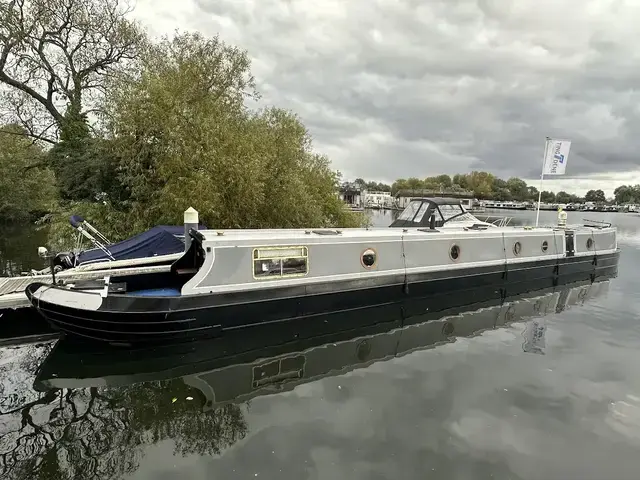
<point>261,234</point>
<point>439,200</point>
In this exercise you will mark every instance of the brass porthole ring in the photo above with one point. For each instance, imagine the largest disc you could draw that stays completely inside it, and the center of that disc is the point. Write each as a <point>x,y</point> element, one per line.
<point>517,248</point>
<point>589,243</point>
<point>545,246</point>
<point>454,252</point>
<point>369,258</point>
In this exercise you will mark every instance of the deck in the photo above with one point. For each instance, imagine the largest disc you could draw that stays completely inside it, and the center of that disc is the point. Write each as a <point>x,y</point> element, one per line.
<point>12,288</point>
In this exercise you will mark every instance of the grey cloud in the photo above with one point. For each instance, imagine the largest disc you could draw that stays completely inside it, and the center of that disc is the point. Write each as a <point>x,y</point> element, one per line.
<point>409,88</point>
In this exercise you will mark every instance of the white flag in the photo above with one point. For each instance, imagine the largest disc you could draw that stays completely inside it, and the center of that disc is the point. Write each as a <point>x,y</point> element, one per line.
<point>557,154</point>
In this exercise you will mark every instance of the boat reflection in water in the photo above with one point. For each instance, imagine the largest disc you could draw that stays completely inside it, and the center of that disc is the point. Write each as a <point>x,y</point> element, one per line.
<point>219,371</point>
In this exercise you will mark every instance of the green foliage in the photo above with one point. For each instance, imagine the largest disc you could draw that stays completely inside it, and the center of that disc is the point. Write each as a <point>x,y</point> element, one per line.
<point>372,186</point>
<point>596,196</point>
<point>86,168</point>
<point>518,189</point>
<point>444,180</point>
<point>460,179</point>
<point>564,197</point>
<point>186,139</point>
<point>57,57</point>
<point>481,183</point>
<point>115,224</point>
<point>547,197</point>
<point>627,194</point>
<point>24,191</point>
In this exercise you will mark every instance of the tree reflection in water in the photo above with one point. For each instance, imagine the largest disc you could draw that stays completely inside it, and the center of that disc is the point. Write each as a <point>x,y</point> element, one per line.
<point>100,432</point>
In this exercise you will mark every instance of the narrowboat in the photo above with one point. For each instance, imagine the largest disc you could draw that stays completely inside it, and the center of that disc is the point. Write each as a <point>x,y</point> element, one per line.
<point>435,255</point>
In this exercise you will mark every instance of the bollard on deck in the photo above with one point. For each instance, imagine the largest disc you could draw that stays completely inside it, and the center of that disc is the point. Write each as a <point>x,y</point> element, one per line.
<point>191,220</point>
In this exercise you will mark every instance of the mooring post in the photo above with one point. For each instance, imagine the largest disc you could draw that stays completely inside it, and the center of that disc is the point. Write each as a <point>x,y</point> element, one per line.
<point>190,221</point>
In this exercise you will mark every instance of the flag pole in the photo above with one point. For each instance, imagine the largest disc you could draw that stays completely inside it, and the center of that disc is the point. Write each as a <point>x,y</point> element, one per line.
<point>544,160</point>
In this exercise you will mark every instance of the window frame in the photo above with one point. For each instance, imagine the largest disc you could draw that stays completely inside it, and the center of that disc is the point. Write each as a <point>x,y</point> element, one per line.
<point>256,257</point>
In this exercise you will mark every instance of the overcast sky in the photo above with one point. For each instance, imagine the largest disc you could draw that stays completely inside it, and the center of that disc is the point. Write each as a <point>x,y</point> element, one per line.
<point>400,88</point>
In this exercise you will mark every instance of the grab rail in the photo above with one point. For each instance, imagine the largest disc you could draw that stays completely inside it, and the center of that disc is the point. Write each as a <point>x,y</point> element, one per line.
<point>502,221</point>
<point>599,223</point>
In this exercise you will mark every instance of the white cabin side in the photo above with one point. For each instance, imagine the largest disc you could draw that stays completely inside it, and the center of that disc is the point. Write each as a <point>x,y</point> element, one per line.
<point>242,260</point>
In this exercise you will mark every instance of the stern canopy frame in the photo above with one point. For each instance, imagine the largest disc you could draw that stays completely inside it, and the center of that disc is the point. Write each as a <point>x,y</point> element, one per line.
<point>432,213</point>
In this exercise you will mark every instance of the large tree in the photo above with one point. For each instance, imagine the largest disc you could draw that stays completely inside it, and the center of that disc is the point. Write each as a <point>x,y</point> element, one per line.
<point>54,58</point>
<point>627,194</point>
<point>518,189</point>
<point>596,196</point>
<point>185,138</point>
<point>564,197</point>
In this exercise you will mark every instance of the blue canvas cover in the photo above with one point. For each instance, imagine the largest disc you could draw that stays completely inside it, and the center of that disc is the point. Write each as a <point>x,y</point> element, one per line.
<point>179,230</point>
<point>157,241</point>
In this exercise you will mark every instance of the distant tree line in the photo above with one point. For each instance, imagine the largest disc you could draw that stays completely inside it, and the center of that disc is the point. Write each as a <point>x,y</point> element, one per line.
<point>486,186</point>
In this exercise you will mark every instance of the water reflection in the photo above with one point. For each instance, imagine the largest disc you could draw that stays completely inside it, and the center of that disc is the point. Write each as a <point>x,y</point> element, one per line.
<point>91,414</point>
<point>98,432</point>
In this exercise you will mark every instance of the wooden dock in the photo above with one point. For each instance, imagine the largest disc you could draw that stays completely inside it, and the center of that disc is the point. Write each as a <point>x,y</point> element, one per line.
<point>18,284</point>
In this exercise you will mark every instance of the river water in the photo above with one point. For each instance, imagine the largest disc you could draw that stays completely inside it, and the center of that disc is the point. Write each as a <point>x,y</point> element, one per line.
<point>544,392</point>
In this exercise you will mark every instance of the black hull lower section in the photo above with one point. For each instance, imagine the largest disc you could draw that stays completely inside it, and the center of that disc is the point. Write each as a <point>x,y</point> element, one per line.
<point>133,320</point>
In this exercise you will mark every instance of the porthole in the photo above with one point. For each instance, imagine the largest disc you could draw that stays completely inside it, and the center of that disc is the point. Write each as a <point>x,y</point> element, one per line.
<point>517,248</point>
<point>454,252</point>
<point>589,243</point>
<point>545,246</point>
<point>369,258</point>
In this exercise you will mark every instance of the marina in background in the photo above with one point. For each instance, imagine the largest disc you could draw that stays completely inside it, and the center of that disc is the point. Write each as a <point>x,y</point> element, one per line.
<point>357,199</point>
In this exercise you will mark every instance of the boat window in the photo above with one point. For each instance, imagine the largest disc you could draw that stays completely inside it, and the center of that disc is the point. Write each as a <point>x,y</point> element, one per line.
<point>465,217</point>
<point>455,213</point>
<point>439,219</point>
<point>421,211</point>
<point>449,211</point>
<point>410,211</point>
<point>280,262</point>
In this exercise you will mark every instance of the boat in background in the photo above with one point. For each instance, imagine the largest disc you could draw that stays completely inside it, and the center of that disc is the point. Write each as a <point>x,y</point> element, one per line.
<point>436,256</point>
<point>242,366</point>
